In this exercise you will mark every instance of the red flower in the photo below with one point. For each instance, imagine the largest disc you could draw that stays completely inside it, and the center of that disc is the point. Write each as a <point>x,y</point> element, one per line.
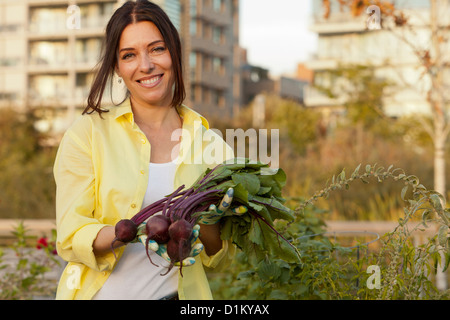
<point>42,243</point>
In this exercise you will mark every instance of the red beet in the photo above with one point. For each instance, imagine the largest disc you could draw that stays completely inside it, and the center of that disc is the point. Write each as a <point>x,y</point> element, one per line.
<point>180,230</point>
<point>178,251</point>
<point>179,244</point>
<point>125,231</point>
<point>157,229</point>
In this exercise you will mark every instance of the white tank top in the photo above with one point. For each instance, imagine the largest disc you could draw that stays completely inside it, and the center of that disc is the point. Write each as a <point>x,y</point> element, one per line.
<point>135,277</point>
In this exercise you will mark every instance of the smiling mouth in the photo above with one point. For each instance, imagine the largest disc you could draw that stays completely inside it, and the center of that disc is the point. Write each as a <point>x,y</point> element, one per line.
<point>150,81</point>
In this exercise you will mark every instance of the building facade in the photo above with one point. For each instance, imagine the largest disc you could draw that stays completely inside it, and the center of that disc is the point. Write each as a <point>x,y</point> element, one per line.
<point>211,42</point>
<point>347,40</point>
<point>49,49</point>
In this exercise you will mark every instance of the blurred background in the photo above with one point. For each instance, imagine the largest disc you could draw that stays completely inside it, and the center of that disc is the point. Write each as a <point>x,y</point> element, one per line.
<point>345,83</point>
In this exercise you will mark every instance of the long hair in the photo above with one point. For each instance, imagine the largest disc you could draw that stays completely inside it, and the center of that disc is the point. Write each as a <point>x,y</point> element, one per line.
<point>133,12</point>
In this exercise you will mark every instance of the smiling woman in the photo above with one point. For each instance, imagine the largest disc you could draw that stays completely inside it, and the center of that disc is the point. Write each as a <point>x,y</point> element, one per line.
<point>114,161</point>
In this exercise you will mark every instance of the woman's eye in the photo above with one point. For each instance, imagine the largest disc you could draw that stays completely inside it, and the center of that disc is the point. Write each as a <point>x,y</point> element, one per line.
<point>158,50</point>
<point>127,56</point>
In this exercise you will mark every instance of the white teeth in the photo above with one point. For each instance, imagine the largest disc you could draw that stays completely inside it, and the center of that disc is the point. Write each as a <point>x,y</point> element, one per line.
<point>150,81</point>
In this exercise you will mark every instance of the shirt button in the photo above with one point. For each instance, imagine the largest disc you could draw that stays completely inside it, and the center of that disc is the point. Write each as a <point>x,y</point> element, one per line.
<point>142,171</point>
<point>133,205</point>
<point>143,141</point>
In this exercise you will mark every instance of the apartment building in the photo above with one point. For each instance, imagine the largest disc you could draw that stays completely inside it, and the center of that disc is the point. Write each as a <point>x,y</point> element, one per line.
<point>212,48</point>
<point>346,40</point>
<point>49,48</point>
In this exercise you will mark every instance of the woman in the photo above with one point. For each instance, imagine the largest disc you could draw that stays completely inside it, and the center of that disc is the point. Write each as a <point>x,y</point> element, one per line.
<point>113,162</point>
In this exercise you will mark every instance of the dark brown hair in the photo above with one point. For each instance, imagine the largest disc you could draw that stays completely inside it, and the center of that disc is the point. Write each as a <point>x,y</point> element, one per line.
<point>133,12</point>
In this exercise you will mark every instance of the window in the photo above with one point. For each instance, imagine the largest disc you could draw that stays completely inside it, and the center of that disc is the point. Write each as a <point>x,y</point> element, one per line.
<point>218,98</point>
<point>217,5</point>
<point>217,35</point>
<point>206,31</point>
<point>193,7</point>
<point>193,27</point>
<point>193,60</point>
<point>206,63</point>
<point>218,66</point>
<point>48,53</point>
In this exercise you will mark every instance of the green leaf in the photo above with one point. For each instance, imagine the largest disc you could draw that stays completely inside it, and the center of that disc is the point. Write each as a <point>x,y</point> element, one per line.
<point>227,227</point>
<point>356,171</point>
<point>276,182</point>
<point>278,294</point>
<point>342,175</point>
<point>263,190</point>
<point>248,181</point>
<point>262,211</point>
<point>224,186</point>
<point>255,233</point>
<point>447,261</point>
<point>442,235</point>
<point>277,209</point>
<point>245,274</point>
<point>436,201</point>
<point>267,270</point>
<point>241,194</point>
<point>403,193</point>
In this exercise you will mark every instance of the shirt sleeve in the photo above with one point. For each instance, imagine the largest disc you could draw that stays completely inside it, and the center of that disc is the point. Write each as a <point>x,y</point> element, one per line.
<point>222,259</point>
<point>75,201</point>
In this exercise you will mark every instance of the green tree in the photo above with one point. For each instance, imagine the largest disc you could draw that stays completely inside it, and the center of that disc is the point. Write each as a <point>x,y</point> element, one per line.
<point>363,91</point>
<point>26,182</point>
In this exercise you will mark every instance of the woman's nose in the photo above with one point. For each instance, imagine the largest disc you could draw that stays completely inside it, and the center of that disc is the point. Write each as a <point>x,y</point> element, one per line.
<point>146,63</point>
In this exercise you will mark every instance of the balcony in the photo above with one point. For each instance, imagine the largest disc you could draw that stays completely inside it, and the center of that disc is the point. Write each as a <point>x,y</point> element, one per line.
<point>214,80</point>
<point>222,18</point>
<point>322,64</point>
<point>48,30</point>
<point>339,23</point>
<point>57,29</point>
<point>208,46</point>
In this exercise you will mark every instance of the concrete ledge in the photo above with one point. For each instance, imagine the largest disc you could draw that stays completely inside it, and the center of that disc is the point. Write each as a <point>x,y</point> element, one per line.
<point>34,227</point>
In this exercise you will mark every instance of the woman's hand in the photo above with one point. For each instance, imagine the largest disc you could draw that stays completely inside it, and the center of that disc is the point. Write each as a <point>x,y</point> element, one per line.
<point>214,214</point>
<point>161,249</point>
<point>102,244</point>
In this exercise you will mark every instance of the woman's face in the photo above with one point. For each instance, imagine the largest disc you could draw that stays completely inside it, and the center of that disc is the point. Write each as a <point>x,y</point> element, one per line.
<point>145,65</point>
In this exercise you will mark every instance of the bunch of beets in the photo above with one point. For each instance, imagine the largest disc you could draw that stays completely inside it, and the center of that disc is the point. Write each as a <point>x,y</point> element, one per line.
<point>255,186</point>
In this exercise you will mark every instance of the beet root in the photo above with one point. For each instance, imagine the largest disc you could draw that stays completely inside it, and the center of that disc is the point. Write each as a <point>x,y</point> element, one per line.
<point>157,229</point>
<point>125,231</point>
<point>180,230</point>
<point>177,252</point>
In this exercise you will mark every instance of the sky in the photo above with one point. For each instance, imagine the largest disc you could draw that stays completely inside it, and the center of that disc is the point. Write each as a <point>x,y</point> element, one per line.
<point>275,33</point>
